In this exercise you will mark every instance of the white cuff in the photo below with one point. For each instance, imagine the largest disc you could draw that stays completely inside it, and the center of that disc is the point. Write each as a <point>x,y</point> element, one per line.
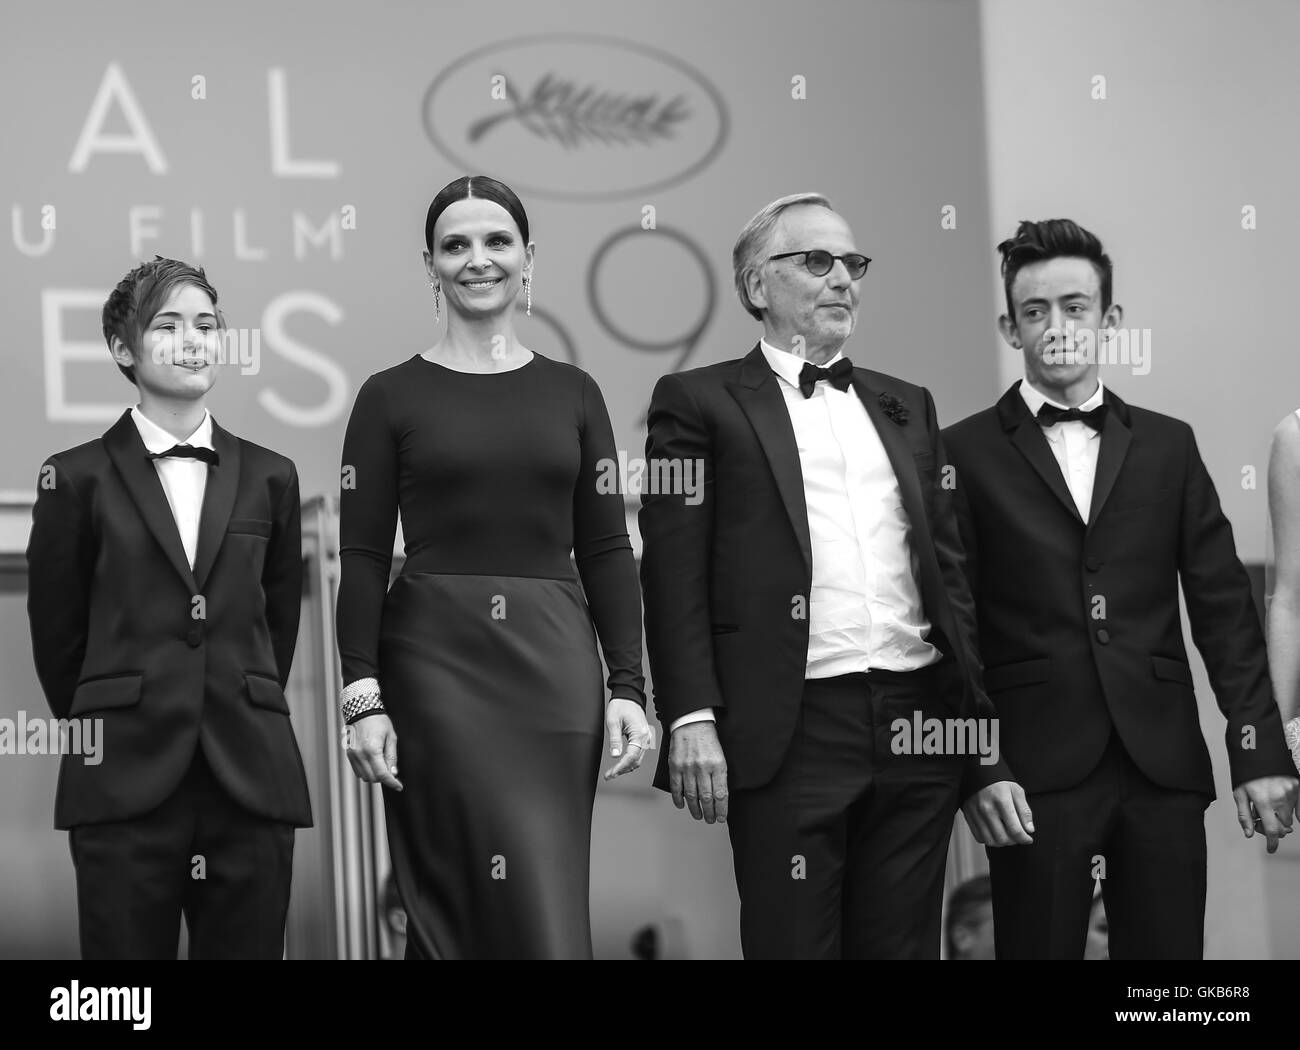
<point>704,714</point>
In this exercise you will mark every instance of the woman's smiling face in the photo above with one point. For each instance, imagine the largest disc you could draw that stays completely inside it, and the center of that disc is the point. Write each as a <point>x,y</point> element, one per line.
<point>479,257</point>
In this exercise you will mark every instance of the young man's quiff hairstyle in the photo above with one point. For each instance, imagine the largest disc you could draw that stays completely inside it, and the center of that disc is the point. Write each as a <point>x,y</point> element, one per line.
<point>1052,239</point>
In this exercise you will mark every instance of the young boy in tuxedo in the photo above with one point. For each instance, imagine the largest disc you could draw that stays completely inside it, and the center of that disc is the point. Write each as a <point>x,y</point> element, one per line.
<point>165,579</point>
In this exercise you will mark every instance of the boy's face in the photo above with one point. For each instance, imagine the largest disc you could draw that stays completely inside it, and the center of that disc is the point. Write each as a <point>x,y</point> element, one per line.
<point>178,350</point>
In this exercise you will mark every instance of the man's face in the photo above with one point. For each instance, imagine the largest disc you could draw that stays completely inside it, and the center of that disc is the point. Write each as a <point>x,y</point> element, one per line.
<point>177,356</point>
<point>1058,320</point>
<point>973,937</point>
<point>1097,945</point>
<point>822,310</point>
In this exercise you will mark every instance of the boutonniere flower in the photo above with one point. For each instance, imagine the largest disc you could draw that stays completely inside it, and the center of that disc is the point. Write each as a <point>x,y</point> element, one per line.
<point>894,408</point>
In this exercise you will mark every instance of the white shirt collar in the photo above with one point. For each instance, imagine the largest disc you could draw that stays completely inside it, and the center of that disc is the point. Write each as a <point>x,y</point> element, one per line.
<point>158,440</point>
<point>787,365</point>
<point>1035,400</point>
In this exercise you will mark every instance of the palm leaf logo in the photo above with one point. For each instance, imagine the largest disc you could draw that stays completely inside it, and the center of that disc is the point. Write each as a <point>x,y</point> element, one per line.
<point>557,110</point>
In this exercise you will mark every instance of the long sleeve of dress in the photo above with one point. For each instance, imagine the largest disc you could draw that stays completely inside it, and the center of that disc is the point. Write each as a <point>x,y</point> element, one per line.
<point>603,553</point>
<point>368,506</point>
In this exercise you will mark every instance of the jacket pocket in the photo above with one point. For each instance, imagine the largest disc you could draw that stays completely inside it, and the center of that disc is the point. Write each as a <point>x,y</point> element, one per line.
<point>264,691</point>
<point>249,526</point>
<point>1009,676</point>
<point>1171,670</point>
<point>114,690</point>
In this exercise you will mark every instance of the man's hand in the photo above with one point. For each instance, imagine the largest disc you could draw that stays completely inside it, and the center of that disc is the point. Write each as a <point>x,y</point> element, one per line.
<point>1267,805</point>
<point>998,815</point>
<point>625,721</point>
<point>697,771</point>
<point>372,750</point>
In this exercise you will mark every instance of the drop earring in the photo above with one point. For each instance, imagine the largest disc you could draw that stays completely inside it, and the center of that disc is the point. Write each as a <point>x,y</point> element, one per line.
<point>528,295</point>
<point>437,301</point>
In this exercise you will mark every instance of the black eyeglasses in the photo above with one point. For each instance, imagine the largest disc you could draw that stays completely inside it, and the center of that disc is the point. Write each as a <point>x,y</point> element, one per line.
<point>819,263</point>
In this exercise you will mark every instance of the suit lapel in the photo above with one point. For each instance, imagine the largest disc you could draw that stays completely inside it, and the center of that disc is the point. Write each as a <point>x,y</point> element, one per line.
<point>1116,436</point>
<point>759,395</point>
<point>218,501</point>
<point>760,398</point>
<point>1028,437</point>
<point>126,449</point>
<point>896,448</point>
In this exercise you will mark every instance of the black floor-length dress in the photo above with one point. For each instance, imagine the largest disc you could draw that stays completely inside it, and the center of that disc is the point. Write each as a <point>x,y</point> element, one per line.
<point>484,647</point>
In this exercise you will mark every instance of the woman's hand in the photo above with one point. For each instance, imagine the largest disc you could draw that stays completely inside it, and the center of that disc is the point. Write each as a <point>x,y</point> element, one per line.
<point>625,722</point>
<point>372,751</point>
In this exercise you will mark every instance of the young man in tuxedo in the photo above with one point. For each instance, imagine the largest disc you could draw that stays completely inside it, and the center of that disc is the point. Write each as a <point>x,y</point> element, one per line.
<point>165,587</point>
<point>1080,515</point>
<point>809,601</point>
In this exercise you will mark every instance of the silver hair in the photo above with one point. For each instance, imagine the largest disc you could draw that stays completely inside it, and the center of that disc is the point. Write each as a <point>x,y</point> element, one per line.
<point>757,235</point>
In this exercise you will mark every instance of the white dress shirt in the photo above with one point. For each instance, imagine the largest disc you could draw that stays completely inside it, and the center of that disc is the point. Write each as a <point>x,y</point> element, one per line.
<point>1074,444</point>
<point>183,480</point>
<point>864,610</point>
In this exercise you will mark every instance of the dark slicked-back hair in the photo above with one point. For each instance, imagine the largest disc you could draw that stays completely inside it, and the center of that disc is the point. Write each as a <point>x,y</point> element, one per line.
<point>1052,239</point>
<point>482,187</point>
<point>133,304</point>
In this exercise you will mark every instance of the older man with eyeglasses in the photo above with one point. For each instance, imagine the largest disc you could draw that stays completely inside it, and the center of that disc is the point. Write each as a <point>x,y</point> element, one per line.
<point>809,624</point>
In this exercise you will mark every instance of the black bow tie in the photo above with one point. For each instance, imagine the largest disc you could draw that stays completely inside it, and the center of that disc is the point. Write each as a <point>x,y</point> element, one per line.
<point>1050,414</point>
<point>208,455</point>
<point>838,375</point>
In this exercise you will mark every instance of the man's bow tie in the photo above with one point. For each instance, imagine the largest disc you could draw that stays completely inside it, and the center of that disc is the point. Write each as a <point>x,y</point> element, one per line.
<point>208,455</point>
<point>838,375</point>
<point>1049,415</point>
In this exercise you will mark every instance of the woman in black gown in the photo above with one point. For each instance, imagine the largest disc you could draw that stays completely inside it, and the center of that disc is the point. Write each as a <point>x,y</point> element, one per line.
<point>478,672</point>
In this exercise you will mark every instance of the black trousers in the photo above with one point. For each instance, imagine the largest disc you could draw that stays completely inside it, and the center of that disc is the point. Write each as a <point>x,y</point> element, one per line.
<point>1147,844</point>
<point>842,854</point>
<point>198,854</point>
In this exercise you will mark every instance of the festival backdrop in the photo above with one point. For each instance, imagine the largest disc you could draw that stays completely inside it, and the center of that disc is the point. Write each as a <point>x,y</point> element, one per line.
<point>292,150</point>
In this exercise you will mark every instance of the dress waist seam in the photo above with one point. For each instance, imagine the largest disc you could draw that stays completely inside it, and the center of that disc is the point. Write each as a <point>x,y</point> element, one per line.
<point>497,575</point>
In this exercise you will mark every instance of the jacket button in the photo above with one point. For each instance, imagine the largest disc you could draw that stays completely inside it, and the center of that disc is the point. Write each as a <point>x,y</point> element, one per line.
<point>1092,564</point>
<point>1103,636</point>
<point>194,636</point>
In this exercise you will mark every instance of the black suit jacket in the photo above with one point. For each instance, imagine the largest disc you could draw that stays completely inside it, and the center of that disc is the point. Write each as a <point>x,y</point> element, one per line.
<point>1079,625</point>
<point>720,578</point>
<point>118,635</point>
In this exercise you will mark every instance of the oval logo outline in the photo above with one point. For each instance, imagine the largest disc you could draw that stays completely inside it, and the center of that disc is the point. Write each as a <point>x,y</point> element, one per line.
<point>644,50</point>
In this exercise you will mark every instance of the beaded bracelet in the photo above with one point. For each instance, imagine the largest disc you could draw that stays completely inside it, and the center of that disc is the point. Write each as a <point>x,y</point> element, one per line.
<point>359,698</point>
<point>1292,729</point>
